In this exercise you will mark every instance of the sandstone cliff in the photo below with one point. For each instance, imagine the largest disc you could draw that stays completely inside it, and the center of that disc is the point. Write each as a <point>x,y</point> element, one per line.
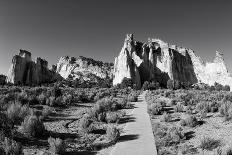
<point>81,67</point>
<point>160,61</point>
<point>27,72</point>
<point>2,79</point>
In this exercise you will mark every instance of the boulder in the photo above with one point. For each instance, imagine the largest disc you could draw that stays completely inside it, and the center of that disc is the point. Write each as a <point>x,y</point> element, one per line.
<point>158,61</point>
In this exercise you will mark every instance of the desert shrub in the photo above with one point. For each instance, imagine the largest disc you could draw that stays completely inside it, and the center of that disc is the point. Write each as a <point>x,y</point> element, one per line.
<point>170,84</point>
<point>123,104</point>
<point>150,85</point>
<point>56,145</point>
<point>190,121</point>
<point>16,112</point>
<point>54,102</point>
<point>11,147</point>
<point>169,136</point>
<point>126,82</point>
<point>229,151</point>
<point>105,104</point>
<point>226,88</point>
<point>68,99</point>
<point>132,97</point>
<point>208,143</point>
<point>112,133</point>
<point>186,149</point>
<point>42,98</point>
<point>155,109</point>
<point>226,110</point>
<point>218,87</point>
<point>172,102</point>
<point>32,100</point>
<point>101,117</point>
<point>166,117</point>
<point>46,111</point>
<point>112,117</point>
<point>206,107</point>
<point>22,97</point>
<point>85,122</point>
<point>50,101</point>
<point>56,91</point>
<point>32,126</point>
<point>179,107</point>
<point>6,125</point>
<point>188,109</point>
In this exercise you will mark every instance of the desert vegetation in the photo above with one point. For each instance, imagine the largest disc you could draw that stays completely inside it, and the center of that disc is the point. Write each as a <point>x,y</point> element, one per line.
<point>59,119</point>
<point>196,120</point>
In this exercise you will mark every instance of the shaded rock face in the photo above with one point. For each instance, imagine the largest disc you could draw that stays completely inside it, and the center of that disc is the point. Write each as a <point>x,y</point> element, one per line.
<point>27,72</point>
<point>159,61</point>
<point>74,68</point>
<point>2,79</point>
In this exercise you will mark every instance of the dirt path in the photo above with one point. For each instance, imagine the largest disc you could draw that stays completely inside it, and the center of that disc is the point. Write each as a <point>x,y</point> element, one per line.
<point>137,138</point>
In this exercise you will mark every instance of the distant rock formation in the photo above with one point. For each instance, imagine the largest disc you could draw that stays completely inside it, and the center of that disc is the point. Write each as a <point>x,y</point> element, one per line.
<point>2,79</point>
<point>159,61</point>
<point>81,67</point>
<point>27,72</point>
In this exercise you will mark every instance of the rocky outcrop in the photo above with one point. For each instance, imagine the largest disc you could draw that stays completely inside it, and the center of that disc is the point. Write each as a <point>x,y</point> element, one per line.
<point>81,67</point>
<point>2,79</point>
<point>27,72</point>
<point>158,61</point>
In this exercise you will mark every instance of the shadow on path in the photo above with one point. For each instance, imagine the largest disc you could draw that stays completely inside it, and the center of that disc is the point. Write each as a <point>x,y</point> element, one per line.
<point>126,119</point>
<point>128,137</point>
<point>81,153</point>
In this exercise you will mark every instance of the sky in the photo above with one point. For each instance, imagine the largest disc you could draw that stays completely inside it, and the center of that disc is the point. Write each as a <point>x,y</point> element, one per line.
<point>96,28</point>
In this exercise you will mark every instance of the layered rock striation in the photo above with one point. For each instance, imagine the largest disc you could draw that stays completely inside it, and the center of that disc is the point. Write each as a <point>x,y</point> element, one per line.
<point>27,72</point>
<point>158,61</point>
<point>82,67</point>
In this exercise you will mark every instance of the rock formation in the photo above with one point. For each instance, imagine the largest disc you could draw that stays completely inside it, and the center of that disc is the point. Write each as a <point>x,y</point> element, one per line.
<point>70,67</point>
<point>2,79</point>
<point>159,61</point>
<point>27,72</point>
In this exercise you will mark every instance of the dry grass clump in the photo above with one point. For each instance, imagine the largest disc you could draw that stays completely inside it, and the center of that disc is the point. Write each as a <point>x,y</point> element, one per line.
<point>226,110</point>
<point>208,143</point>
<point>132,97</point>
<point>11,147</point>
<point>156,106</point>
<point>112,133</point>
<point>167,136</point>
<point>33,126</point>
<point>190,121</point>
<point>179,107</point>
<point>46,112</point>
<point>56,145</point>
<point>16,112</point>
<point>112,117</point>
<point>166,117</point>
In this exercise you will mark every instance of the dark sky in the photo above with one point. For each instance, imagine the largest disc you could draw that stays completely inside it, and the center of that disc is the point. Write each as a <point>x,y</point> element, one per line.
<point>54,28</point>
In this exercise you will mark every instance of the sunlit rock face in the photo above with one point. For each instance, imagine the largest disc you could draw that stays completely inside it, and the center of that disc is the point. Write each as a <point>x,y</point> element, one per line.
<point>70,67</point>
<point>158,61</point>
<point>27,72</point>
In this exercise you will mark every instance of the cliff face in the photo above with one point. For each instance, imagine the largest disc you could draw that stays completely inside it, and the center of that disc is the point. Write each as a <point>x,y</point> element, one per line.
<point>159,61</point>
<point>25,71</point>
<point>2,79</point>
<point>70,67</point>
